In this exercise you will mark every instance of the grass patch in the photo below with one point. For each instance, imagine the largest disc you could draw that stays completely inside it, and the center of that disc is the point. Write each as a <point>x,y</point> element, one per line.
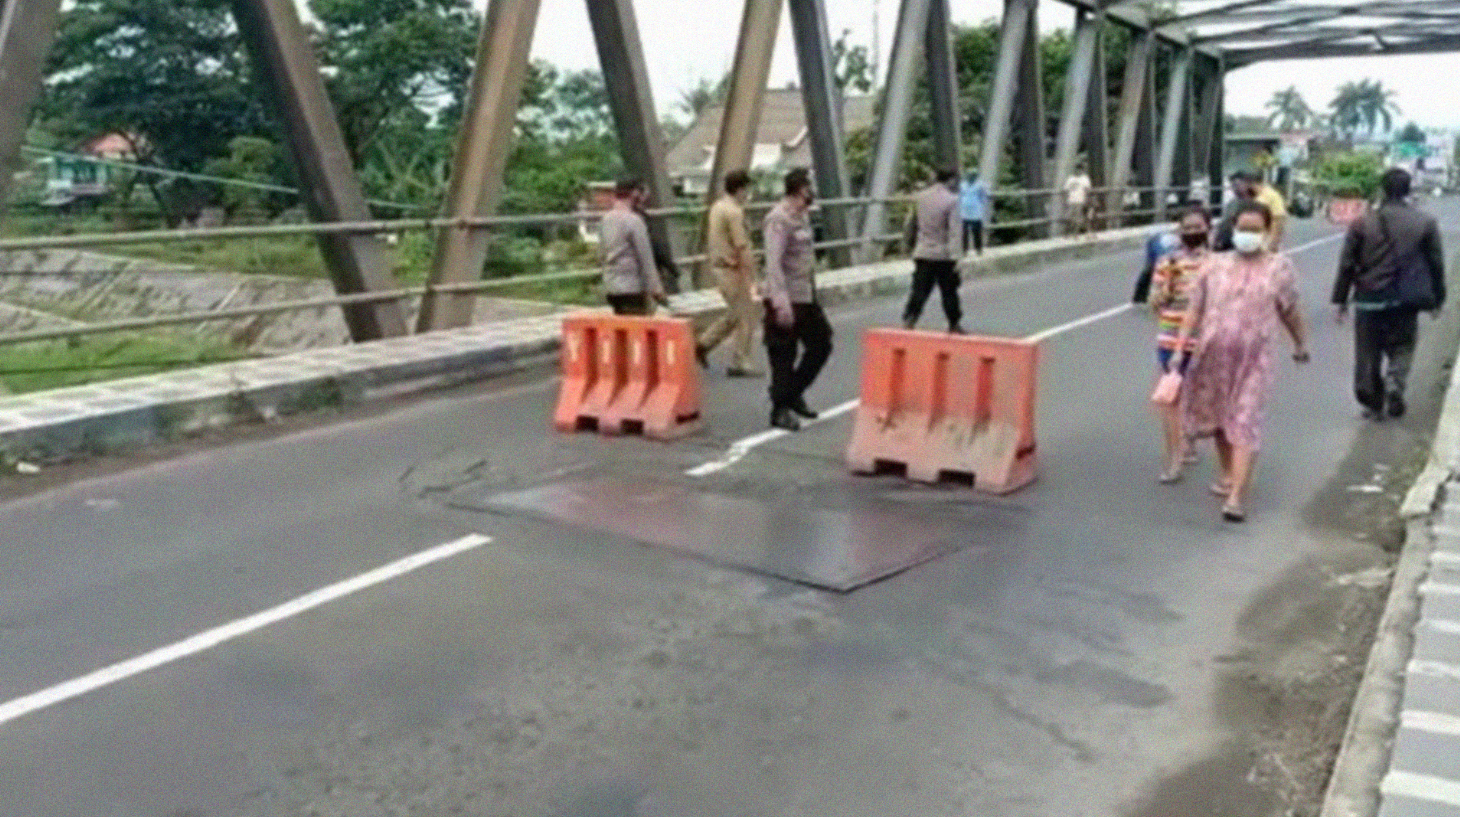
<point>57,364</point>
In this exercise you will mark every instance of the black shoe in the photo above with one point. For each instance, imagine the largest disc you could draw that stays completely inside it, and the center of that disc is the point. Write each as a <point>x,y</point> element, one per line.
<point>1372,415</point>
<point>1396,407</point>
<point>801,408</point>
<point>783,419</point>
<point>955,329</point>
<point>747,373</point>
<point>703,356</point>
<point>909,323</point>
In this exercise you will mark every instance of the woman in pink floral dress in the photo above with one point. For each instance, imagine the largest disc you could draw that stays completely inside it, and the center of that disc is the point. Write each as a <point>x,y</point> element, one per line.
<point>1238,303</point>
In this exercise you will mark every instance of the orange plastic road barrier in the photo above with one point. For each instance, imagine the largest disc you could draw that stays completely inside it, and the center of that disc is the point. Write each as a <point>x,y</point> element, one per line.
<point>947,406</point>
<point>623,375</point>
<point>1347,211</point>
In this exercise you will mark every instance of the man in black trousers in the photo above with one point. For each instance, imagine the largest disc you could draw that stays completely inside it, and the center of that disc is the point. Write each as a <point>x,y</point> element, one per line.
<point>1394,268</point>
<point>935,234</point>
<point>794,321</point>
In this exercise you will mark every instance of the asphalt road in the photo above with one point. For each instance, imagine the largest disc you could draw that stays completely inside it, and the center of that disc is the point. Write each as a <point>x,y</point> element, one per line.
<point>1071,658</point>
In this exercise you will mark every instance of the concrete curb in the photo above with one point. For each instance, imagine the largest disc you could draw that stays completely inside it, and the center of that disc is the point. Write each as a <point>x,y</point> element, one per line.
<point>1363,760</point>
<point>105,417</point>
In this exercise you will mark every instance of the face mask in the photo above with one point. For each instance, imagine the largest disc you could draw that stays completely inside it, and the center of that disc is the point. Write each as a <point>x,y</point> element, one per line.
<point>1194,240</point>
<point>1247,242</point>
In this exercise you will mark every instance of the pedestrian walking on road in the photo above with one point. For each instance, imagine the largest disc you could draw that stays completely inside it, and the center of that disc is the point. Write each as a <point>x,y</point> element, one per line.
<point>1162,242</point>
<point>733,263</point>
<point>795,324</point>
<point>630,280</point>
<point>1171,286</point>
<point>1393,268</point>
<point>973,200</point>
<point>1244,189</point>
<point>1236,305</point>
<point>934,236</point>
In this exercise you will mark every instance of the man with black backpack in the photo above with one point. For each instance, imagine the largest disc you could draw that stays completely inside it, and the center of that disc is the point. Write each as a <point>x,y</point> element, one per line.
<point>1394,268</point>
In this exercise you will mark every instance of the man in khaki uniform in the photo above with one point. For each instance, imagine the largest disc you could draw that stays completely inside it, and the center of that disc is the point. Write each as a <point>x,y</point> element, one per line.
<point>733,262</point>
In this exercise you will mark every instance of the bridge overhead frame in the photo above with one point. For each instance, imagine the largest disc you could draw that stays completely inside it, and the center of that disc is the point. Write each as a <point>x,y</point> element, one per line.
<point>1154,152</point>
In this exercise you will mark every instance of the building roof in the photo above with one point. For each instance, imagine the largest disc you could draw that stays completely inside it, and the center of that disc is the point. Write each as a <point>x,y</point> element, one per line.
<point>782,140</point>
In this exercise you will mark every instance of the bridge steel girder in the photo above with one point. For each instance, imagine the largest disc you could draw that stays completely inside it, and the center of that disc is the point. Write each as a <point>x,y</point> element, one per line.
<point>943,85</point>
<point>27,31</point>
<point>1080,105</point>
<point>740,123</point>
<point>483,146</point>
<point>289,71</point>
<point>641,139</point>
<point>1013,39</point>
<point>1176,119</point>
<point>1030,122</point>
<point>1139,20</point>
<point>1132,102</point>
<point>825,125</point>
<point>1325,47</point>
<point>907,44</point>
<point>1207,147</point>
<point>1097,132</point>
<point>1145,153</point>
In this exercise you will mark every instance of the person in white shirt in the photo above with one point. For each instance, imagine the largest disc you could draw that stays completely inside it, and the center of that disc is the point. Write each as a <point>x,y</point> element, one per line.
<point>1077,201</point>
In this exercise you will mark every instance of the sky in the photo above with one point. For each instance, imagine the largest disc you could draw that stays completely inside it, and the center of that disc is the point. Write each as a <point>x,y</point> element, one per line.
<point>686,40</point>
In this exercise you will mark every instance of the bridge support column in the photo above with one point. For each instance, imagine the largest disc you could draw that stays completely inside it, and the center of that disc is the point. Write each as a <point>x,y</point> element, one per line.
<point>1031,124</point>
<point>740,124</point>
<point>1080,84</point>
<point>943,85</point>
<point>1207,140</point>
<point>282,56</point>
<point>1097,134</point>
<point>1013,37</point>
<point>824,120</point>
<point>912,32</point>
<point>1175,121</point>
<point>1132,102</point>
<point>27,30</point>
<point>483,146</point>
<point>641,140</point>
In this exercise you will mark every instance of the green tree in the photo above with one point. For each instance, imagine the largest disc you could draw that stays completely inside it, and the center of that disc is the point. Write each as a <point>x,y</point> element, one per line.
<point>565,137</point>
<point>1289,110</point>
<point>1412,134</point>
<point>852,65</point>
<point>1365,104</point>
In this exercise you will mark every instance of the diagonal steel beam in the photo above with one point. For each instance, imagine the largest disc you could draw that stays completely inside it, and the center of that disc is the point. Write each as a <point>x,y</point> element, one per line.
<point>626,79</point>
<point>1173,122</point>
<point>27,30</point>
<point>1132,99</point>
<point>482,149</point>
<point>1079,80</point>
<point>943,86</point>
<point>824,117</point>
<point>907,46</point>
<point>740,123</point>
<point>1029,118</point>
<point>1242,58</point>
<point>1013,36</point>
<point>285,61</point>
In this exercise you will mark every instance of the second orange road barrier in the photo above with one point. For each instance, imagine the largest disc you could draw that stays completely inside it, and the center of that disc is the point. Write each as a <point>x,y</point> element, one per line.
<point>947,406</point>
<point>624,375</point>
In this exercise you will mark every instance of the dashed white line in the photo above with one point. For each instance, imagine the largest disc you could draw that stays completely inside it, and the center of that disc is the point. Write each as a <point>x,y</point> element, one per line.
<point>20,707</point>
<point>1422,787</point>
<point>1435,723</point>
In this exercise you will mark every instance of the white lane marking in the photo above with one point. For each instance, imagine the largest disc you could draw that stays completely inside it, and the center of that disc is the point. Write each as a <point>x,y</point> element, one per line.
<point>1422,787</point>
<point>1082,322</point>
<point>1444,557</point>
<point>1441,625</point>
<point>1434,669</point>
<point>1316,243</point>
<point>1433,722</point>
<point>740,448</point>
<point>1439,589</point>
<point>106,676</point>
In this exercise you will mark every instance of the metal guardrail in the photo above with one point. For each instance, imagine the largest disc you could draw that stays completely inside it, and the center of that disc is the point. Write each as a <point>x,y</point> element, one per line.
<point>396,226</point>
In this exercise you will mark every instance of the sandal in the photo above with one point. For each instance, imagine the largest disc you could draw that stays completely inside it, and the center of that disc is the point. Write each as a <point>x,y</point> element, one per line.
<point>1221,489</point>
<point>1232,513</point>
<point>1171,475</point>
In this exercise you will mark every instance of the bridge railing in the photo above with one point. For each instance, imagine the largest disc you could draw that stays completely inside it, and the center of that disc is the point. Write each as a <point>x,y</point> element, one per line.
<point>689,219</point>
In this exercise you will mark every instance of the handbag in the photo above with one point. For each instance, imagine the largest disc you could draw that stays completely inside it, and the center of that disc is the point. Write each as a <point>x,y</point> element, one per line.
<point>1168,389</point>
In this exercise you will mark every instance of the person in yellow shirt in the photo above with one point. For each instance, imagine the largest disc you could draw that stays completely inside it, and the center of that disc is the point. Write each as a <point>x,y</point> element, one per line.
<point>1268,195</point>
<point>734,265</point>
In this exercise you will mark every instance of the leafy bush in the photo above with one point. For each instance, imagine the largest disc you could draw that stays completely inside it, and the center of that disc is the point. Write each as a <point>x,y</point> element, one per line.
<point>1350,174</point>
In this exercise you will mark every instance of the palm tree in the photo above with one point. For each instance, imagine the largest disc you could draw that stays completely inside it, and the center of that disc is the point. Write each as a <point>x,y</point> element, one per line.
<point>1376,104</point>
<point>1348,110</point>
<point>1289,110</point>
